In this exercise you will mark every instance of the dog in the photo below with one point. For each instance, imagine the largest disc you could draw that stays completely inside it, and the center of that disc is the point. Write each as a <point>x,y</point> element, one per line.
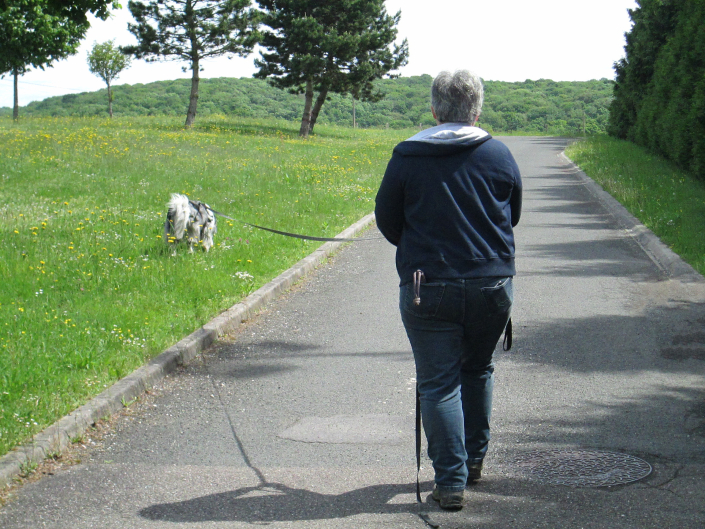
<point>191,218</point>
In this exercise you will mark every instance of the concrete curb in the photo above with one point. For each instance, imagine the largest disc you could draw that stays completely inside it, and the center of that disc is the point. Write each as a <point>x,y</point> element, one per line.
<point>670,263</point>
<point>57,437</point>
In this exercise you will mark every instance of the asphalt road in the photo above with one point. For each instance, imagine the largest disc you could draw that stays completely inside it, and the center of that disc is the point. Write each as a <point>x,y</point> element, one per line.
<point>304,417</point>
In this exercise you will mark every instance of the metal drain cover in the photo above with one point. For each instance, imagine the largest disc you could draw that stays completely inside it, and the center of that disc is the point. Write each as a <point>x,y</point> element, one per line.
<point>582,468</point>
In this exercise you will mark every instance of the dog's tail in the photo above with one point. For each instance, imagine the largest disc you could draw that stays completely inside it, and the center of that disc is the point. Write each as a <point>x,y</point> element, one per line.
<point>177,217</point>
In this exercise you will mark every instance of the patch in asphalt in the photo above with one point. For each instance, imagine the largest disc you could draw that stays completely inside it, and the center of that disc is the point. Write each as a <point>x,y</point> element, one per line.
<point>353,429</point>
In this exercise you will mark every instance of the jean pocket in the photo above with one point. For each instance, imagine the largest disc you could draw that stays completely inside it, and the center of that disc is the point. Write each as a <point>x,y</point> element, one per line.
<point>498,297</point>
<point>431,295</point>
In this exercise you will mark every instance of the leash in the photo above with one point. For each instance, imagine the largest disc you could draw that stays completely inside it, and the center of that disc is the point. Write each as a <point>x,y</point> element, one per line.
<point>296,235</point>
<point>418,444</point>
<point>423,515</point>
<point>507,342</point>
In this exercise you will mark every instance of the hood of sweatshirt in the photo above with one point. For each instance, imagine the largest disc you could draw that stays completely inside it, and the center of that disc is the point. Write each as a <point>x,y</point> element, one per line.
<point>443,139</point>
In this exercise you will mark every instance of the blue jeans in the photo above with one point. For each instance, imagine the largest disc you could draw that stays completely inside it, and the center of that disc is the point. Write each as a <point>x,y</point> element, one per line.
<point>453,334</point>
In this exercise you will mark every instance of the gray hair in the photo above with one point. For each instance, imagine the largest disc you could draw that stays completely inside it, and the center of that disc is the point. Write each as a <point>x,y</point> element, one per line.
<point>457,97</point>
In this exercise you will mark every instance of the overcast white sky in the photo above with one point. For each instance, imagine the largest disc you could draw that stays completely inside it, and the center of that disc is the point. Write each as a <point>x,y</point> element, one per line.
<point>504,40</point>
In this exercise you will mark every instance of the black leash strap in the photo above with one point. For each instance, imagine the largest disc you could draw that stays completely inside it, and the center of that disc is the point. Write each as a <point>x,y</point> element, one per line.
<point>418,444</point>
<point>297,235</point>
<point>507,343</point>
<point>423,515</point>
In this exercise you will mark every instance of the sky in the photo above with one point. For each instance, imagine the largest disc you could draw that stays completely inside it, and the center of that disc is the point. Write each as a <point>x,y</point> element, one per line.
<point>500,40</point>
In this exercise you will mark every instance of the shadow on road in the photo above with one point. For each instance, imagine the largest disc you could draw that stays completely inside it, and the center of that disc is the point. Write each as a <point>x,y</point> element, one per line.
<point>275,502</point>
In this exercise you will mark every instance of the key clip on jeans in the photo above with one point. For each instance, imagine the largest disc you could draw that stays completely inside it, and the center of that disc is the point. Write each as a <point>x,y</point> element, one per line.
<point>419,278</point>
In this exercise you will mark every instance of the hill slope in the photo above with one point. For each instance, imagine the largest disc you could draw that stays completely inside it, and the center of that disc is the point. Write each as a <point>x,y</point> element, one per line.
<point>541,106</point>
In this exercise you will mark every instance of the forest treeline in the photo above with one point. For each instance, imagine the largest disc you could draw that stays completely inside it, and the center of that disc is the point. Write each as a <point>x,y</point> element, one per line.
<point>660,86</point>
<point>542,106</point>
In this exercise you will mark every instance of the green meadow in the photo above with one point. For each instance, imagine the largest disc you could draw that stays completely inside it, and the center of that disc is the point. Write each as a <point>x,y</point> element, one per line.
<point>90,289</point>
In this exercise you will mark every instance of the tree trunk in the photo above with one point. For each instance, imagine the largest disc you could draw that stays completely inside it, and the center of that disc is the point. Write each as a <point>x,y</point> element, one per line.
<point>317,108</point>
<point>16,105</point>
<point>110,101</point>
<point>306,119</point>
<point>354,120</point>
<point>193,99</point>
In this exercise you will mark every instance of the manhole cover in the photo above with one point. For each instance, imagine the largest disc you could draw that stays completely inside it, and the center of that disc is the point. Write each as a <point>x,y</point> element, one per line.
<point>582,468</point>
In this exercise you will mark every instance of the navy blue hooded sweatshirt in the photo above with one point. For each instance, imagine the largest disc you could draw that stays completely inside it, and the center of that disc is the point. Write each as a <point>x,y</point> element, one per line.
<point>449,200</point>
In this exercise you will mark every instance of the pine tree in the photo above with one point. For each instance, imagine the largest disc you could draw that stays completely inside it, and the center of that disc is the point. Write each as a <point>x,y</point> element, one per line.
<point>659,97</point>
<point>654,23</point>
<point>334,46</point>
<point>190,31</point>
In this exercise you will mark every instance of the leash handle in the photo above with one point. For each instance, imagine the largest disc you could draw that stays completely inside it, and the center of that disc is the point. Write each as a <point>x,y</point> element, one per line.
<point>418,443</point>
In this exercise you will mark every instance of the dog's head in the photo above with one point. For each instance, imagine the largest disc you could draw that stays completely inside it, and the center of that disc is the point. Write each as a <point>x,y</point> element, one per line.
<point>208,224</point>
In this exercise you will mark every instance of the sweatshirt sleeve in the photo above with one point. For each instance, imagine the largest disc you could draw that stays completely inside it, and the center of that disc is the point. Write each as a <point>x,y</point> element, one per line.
<point>389,204</point>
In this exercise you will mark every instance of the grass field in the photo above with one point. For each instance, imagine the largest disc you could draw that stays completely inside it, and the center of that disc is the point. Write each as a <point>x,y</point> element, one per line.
<point>90,290</point>
<point>668,201</point>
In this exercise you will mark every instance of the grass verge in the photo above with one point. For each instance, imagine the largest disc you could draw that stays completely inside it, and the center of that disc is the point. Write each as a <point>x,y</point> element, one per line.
<point>668,201</point>
<point>90,291</point>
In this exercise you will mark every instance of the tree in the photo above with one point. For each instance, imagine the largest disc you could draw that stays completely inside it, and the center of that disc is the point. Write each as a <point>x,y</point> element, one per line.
<point>35,33</point>
<point>192,30</point>
<point>659,96</point>
<point>107,62</point>
<point>334,46</point>
<point>654,23</point>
